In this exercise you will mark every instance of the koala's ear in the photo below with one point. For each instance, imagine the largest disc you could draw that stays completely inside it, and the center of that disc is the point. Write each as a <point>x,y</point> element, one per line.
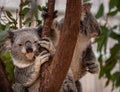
<point>39,30</point>
<point>86,7</point>
<point>9,39</point>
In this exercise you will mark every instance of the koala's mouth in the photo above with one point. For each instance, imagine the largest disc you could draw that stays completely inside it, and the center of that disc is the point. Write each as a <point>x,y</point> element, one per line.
<point>30,56</point>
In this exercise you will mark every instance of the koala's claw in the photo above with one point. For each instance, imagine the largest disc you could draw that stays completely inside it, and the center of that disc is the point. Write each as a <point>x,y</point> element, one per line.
<point>92,67</point>
<point>47,44</point>
<point>45,13</point>
<point>68,85</point>
<point>43,57</point>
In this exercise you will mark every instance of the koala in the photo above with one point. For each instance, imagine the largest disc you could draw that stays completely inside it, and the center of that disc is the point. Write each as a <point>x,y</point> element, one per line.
<point>25,49</point>
<point>83,58</point>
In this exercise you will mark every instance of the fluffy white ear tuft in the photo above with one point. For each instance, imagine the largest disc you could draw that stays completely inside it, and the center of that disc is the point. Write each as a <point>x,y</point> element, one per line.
<point>86,6</point>
<point>9,39</point>
<point>8,44</point>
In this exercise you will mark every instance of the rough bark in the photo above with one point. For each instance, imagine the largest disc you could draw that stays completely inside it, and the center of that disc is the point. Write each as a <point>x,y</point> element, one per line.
<point>49,19</point>
<point>5,85</point>
<point>46,33</point>
<point>57,71</point>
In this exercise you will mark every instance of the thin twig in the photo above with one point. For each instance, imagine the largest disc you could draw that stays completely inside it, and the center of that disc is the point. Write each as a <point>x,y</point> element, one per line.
<point>20,14</point>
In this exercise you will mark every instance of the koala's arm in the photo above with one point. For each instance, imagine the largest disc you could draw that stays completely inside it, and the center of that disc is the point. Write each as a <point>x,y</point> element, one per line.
<point>89,60</point>
<point>27,76</point>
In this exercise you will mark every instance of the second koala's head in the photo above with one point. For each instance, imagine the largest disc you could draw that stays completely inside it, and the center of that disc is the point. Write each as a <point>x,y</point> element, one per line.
<point>23,43</point>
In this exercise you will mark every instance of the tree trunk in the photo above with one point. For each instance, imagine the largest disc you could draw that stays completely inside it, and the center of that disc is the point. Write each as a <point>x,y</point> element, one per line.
<point>58,69</point>
<point>5,85</point>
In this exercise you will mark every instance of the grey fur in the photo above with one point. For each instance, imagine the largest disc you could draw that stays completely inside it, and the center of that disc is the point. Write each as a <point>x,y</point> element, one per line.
<point>28,63</point>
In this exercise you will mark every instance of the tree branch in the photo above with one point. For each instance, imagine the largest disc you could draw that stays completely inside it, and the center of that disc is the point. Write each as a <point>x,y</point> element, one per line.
<point>57,71</point>
<point>5,85</point>
<point>46,33</point>
<point>49,19</point>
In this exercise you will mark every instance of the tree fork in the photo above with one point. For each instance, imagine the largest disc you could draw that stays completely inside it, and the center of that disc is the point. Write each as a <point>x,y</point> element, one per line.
<point>59,66</point>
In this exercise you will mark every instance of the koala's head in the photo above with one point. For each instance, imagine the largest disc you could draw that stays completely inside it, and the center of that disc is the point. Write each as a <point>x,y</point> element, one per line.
<point>23,43</point>
<point>88,24</point>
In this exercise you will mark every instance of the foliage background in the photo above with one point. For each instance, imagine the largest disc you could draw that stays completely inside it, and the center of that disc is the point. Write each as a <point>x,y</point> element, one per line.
<point>8,21</point>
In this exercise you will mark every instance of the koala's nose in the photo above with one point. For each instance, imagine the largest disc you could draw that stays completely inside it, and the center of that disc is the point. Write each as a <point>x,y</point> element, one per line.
<point>28,46</point>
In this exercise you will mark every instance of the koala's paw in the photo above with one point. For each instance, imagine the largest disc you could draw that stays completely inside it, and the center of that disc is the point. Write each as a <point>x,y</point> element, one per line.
<point>42,57</point>
<point>48,44</point>
<point>68,85</point>
<point>92,67</point>
<point>45,13</point>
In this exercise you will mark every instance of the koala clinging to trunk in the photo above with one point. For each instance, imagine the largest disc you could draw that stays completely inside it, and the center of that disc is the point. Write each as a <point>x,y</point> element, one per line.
<point>83,58</point>
<point>25,48</point>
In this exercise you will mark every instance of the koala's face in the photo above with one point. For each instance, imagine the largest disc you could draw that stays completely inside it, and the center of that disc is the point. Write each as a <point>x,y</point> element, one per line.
<point>88,24</point>
<point>24,44</point>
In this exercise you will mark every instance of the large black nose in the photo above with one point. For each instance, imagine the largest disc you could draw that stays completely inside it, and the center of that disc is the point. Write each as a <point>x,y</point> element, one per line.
<point>28,46</point>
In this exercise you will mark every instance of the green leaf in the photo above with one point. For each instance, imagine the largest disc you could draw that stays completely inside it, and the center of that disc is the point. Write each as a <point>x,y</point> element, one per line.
<point>102,72</point>
<point>9,66</point>
<point>114,50</point>
<point>100,11</point>
<point>8,14</point>
<point>102,40</point>
<point>85,1</point>
<point>110,64</point>
<point>115,36</point>
<point>7,26</point>
<point>113,3</point>
<point>112,13</point>
<point>35,11</point>
<point>2,27</point>
<point>27,21</point>
<point>39,22</point>
<point>118,5</point>
<point>39,8</point>
<point>2,36</point>
<point>115,75</point>
<point>25,10</point>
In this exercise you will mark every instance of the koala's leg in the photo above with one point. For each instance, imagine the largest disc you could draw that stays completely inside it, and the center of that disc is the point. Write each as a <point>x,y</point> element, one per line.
<point>89,60</point>
<point>68,84</point>
<point>47,43</point>
<point>17,87</point>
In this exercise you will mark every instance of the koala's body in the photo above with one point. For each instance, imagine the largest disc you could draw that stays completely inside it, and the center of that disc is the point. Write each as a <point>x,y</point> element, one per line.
<point>83,58</point>
<point>25,45</point>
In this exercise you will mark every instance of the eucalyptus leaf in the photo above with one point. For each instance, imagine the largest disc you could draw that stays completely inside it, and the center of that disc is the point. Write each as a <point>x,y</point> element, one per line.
<point>39,8</point>
<point>9,14</point>
<point>112,13</point>
<point>113,3</point>
<point>25,11</point>
<point>27,21</point>
<point>35,11</point>
<point>100,11</point>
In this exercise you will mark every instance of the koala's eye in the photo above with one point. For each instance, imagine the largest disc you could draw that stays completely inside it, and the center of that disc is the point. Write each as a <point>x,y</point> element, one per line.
<point>35,42</point>
<point>20,44</point>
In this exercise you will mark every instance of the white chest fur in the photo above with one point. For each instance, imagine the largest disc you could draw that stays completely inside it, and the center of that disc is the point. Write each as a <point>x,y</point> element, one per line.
<point>82,43</point>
